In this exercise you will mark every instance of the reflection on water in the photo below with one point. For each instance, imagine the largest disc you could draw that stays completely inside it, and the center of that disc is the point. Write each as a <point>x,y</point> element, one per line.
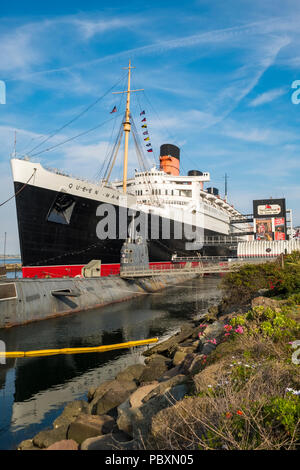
<point>33,391</point>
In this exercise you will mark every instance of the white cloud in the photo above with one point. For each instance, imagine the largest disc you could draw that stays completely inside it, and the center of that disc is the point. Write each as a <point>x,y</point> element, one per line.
<point>267,97</point>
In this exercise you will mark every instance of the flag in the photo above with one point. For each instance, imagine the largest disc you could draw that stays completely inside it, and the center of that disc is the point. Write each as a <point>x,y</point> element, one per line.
<point>147,138</point>
<point>144,125</point>
<point>149,150</point>
<point>148,145</point>
<point>145,133</point>
<point>143,120</point>
<point>143,112</point>
<point>114,110</point>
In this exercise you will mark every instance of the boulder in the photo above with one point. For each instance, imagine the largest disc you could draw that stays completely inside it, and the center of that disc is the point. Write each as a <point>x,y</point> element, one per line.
<point>114,441</point>
<point>157,358</point>
<point>186,363</point>
<point>208,348</point>
<point>154,369</point>
<point>169,346</point>
<point>116,394</point>
<point>215,330</point>
<point>170,373</point>
<point>125,417</point>
<point>27,445</point>
<point>136,399</point>
<point>136,421</point>
<point>70,413</point>
<point>179,357</point>
<point>133,372</point>
<point>163,387</point>
<point>66,444</point>
<point>187,348</point>
<point>86,426</point>
<point>142,416</point>
<point>96,392</point>
<point>196,365</point>
<point>46,438</point>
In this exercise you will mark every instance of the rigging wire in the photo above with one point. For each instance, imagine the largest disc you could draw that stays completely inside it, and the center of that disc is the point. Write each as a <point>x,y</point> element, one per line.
<point>19,191</point>
<point>74,137</point>
<point>113,155</point>
<point>77,116</point>
<point>32,139</point>
<point>109,143</point>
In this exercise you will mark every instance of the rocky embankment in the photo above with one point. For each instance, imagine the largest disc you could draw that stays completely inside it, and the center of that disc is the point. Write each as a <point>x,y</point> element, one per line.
<point>121,414</point>
<point>118,414</point>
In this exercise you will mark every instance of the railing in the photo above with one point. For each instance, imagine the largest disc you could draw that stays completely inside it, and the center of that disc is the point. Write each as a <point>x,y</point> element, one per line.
<point>221,240</point>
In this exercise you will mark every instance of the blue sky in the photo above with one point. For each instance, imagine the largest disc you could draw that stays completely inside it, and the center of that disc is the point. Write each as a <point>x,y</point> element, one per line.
<point>217,77</point>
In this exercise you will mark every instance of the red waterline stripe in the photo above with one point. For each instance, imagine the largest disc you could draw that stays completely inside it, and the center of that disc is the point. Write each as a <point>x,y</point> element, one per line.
<point>43,272</point>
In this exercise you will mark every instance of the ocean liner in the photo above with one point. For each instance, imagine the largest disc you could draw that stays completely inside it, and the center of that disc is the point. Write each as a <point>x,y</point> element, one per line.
<point>65,222</point>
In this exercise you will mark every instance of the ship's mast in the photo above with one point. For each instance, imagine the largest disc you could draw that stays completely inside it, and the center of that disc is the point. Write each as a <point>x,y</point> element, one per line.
<point>127,125</point>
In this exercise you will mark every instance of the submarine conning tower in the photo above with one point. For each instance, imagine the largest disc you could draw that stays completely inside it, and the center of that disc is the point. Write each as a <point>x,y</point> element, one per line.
<point>134,255</point>
<point>170,159</point>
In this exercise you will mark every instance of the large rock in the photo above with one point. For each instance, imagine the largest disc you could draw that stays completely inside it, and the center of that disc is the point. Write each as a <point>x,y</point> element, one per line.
<point>208,348</point>
<point>95,393</point>
<point>187,347</point>
<point>179,357</point>
<point>27,445</point>
<point>197,364</point>
<point>67,444</point>
<point>133,372</point>
<point>158,358</point>
<point>169,346</point>
<point>114,441</point>
<point>116,394</point>
<point>184,366</point>
<point>70,413</point>
<point>163,387</point>
<point>136,399</point>
<point>46,438</point>
<point>86,426</point>
<point>144,414</point>
<point>215,330</point>
<point>154,369</point>
<point>125,417</point>
<point>136,421</point>
<point>170,373</point>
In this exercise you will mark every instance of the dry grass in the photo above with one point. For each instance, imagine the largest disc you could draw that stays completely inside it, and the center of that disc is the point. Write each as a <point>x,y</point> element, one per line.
<point>209,420</point>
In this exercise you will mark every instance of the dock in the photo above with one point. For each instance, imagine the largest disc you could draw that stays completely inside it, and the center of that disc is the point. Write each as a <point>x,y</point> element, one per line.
<point>199,269</point>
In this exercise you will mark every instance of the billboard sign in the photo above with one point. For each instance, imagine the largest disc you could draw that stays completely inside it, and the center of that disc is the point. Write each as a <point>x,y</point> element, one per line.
<point>269,219</point>
<point>279,228</point>
<point>268,207</point>
<point>263,229</point>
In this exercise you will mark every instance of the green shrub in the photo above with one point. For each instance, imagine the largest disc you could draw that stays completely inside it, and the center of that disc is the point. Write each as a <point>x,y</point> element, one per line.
<point>242,285</point>
<point>284,412</point>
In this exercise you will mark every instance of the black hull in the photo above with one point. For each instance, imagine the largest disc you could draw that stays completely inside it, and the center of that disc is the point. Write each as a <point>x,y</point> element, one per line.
<point>45,242</point>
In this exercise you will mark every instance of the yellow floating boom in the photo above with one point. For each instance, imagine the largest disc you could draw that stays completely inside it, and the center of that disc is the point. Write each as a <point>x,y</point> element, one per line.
<point>51,352</point>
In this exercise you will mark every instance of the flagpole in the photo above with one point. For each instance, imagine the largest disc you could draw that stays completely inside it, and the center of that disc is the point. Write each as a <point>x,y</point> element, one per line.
<point>127,125</point>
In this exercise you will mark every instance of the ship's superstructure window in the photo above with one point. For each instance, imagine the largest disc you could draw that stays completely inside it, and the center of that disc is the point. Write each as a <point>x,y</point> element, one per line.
<point>62,209</point>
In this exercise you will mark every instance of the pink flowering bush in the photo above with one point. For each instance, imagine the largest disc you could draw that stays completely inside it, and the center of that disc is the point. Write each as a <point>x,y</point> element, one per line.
<point>239,330</point>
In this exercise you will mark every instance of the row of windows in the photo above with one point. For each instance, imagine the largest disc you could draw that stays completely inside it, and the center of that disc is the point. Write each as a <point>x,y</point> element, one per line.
<point>156,192</point>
